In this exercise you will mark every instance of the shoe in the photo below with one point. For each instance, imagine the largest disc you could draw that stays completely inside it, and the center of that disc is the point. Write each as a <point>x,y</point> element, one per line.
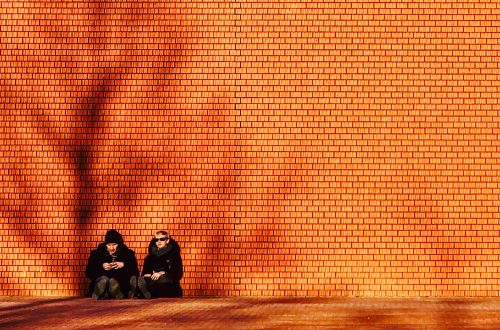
<point>133,287</point>
<point>99,289</point>
<point>143,288</point>
<point>114,289</point>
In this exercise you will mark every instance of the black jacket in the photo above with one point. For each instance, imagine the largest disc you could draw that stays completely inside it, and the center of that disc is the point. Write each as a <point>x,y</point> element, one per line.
<point>171,263</point>
<point>101,255</point>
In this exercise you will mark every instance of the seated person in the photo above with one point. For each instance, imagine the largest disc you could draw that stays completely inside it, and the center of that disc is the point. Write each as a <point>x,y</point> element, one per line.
<point>110,267</point>
<point>162,270</point>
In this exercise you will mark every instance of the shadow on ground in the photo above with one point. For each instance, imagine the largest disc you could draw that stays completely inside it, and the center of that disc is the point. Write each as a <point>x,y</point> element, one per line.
<point>251,313</point>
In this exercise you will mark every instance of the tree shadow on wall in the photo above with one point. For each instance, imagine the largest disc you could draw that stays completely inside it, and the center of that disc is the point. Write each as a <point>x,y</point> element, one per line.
<point>55,130</point>
<point>100,82</point>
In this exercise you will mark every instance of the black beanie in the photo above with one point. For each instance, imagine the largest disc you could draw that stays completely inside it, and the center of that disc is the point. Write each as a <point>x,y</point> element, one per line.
<point>112,236</point>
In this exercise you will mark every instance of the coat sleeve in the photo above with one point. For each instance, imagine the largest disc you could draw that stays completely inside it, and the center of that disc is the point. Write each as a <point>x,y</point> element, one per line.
<point>93,267</point>
<point>131,264</point>
<point>147,268</point>
<point>176,266</point>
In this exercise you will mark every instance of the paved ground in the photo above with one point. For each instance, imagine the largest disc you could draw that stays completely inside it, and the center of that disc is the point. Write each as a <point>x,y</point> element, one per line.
<point>250,313</point>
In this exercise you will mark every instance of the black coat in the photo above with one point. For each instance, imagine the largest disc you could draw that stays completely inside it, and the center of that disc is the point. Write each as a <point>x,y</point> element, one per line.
<point>101,255</point>
<point>171,263</point>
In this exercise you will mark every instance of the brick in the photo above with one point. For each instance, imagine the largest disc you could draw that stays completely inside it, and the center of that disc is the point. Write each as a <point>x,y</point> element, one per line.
<point>351,140</point>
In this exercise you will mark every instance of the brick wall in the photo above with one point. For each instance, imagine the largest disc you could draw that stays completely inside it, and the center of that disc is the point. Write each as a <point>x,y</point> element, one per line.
<point>291,147</point>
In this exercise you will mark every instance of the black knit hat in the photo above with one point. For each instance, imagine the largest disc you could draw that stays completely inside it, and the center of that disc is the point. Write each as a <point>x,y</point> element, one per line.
<point>112,236</point>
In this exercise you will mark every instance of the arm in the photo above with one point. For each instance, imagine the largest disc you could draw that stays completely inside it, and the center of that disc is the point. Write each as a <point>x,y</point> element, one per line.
<point>131,265</point>
<point>93,268</point>
<point>147,269</point>
<point>172,268</point>
<point>177,270</point>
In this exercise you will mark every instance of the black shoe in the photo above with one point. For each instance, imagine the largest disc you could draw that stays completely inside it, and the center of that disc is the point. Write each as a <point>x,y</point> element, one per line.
<point>99,289</point>
<point>143,288</point>
<point>133,287</point>
<point>114,289</point>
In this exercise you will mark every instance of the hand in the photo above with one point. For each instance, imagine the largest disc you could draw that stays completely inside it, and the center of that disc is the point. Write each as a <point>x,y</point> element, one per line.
<point>118,265</point>
<point>156,276</point>
<point>107,266</point>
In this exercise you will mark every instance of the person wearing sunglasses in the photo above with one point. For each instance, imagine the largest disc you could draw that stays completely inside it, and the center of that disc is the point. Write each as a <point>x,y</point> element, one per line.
<point>162,270</point>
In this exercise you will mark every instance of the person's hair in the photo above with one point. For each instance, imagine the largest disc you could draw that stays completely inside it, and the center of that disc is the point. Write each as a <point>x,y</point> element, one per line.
<point>162,232</point>
<point>112,236</point>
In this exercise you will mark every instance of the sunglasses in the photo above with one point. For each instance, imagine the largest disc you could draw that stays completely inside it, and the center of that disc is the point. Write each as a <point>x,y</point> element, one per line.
<point>163,239</point>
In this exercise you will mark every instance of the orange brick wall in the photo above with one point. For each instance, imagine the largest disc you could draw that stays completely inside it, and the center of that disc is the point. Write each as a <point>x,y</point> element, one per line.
<point>306,148</point>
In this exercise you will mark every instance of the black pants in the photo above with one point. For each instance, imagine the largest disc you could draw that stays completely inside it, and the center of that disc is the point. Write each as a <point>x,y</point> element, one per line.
<point>163,287</point>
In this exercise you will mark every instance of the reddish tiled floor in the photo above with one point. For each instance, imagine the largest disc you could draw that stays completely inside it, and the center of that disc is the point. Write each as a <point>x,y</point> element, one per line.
<point>251,313</point>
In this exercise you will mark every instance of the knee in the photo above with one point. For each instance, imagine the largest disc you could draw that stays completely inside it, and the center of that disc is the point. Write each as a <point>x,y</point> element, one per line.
<point>164,279</point>
<point>103,278</point>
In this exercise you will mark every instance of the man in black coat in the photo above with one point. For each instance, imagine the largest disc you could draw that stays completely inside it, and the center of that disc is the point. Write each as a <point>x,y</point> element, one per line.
<point>110,267</point>
<point>162,270</point>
